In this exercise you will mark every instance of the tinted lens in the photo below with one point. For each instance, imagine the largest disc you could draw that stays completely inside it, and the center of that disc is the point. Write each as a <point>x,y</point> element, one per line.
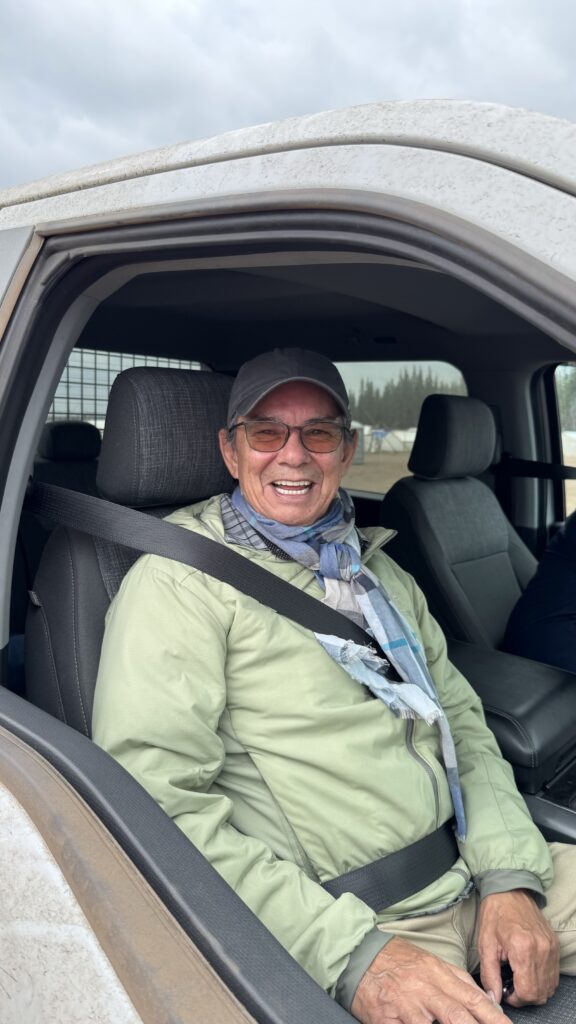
<point>321,437</point>
<point>266,437</point>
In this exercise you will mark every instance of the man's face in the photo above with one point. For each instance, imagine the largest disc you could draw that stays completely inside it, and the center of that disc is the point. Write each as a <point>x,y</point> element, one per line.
<point>293,486</point>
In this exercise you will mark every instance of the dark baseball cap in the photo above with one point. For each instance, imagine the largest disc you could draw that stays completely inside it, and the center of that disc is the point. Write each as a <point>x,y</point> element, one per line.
<point>259,376</point>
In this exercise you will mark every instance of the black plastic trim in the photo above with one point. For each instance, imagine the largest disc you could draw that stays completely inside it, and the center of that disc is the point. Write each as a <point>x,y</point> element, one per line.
<point>556,822</point>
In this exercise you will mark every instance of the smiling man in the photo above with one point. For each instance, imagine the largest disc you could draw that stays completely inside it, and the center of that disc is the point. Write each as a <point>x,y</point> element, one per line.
<point>351,794</point>
<point>295,442</point>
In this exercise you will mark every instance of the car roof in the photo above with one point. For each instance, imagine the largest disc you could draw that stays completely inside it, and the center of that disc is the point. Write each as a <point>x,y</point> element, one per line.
<point>533,144</point>
<point>455,168</point>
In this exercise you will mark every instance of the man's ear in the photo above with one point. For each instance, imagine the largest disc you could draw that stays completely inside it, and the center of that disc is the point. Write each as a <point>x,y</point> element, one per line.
<point>228,452</point>
<point>349,450</point>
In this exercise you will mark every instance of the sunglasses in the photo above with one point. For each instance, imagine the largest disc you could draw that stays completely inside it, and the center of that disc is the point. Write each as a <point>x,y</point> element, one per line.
<point>318,436</point>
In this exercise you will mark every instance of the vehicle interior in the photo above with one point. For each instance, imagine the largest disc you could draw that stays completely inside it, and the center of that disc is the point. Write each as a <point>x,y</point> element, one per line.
<point>173,309</point>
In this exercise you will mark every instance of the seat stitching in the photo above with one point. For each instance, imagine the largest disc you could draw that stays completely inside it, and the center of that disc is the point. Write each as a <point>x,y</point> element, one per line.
<point>499,713</point>
<point>134,483</point>
<point>44,622</point>
<point>74,639</point>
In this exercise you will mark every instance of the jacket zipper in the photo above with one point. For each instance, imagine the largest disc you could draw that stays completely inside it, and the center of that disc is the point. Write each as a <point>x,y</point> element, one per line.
<point>424,763</point>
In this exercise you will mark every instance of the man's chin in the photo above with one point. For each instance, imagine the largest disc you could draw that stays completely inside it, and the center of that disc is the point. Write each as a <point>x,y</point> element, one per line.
<point>292,511</point>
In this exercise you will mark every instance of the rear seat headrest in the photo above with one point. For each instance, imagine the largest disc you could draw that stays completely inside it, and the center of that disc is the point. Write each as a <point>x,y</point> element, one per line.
<point>69,441</point>
<point>160,444</point>
<point>456,437</point>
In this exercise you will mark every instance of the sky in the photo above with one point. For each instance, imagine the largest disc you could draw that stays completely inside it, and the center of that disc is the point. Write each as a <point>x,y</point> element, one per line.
<point>82,81</point>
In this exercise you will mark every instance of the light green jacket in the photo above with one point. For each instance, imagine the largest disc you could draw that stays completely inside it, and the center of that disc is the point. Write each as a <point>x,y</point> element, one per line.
<point>282,769</point>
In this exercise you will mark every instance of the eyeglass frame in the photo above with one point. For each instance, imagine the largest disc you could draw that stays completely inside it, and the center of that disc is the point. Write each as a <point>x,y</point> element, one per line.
<point>346,433</point>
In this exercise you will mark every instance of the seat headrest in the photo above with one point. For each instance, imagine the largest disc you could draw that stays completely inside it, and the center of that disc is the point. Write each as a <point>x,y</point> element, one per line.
<point>69,441</point>
<point>456,437</point>
<point>160,444</point>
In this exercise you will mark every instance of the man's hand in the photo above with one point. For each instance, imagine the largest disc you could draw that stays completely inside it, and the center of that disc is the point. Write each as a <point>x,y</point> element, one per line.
<point>512,928</point>
<point>406,985</point>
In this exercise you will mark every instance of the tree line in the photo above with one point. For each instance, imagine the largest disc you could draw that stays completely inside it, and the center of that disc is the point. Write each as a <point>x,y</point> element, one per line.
<point>396,405</point>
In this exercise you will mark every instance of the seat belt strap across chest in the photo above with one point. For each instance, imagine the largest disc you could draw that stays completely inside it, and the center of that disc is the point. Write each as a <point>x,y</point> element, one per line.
<point>141,532</point>
<point>382,883</point>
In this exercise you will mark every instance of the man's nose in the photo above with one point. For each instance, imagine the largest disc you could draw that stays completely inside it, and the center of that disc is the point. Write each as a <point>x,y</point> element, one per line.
<point>294,451</point>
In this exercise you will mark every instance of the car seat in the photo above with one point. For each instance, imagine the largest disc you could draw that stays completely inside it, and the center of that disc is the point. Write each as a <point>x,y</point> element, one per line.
<point>453,535</point>
<point>159,452</point>
<point>68,456</point>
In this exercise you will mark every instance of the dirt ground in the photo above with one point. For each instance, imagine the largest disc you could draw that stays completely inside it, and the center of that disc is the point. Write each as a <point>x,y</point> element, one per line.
<point>380,470</point>
<point>570,485</point>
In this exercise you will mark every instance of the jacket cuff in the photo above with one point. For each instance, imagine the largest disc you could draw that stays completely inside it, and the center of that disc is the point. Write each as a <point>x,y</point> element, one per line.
<point>489,882</point>
<point>358,964</point>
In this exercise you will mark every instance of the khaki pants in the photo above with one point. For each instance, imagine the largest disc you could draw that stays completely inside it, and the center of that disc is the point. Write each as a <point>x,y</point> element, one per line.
<point>452,934</point>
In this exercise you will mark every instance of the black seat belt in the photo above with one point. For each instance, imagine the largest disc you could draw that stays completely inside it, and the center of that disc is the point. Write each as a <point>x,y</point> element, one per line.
<point>384,882</point>
<point>142,532</point>
<point>510,467</point>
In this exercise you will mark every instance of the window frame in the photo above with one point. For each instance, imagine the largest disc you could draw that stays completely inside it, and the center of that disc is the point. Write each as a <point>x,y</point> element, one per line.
<point>72,276</point>
<point>75,272</point>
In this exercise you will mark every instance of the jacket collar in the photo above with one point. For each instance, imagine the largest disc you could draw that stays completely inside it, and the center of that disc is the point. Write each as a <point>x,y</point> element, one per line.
<point>375,537</point>
<point>208,515</point>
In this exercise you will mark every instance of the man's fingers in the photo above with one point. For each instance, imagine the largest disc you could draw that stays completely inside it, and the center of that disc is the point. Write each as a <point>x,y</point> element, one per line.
<point>447,1012</point>
<point>407,985</point>
<point>472,1008</point>
<point>512,924</point>
<point>535,979</point>
<point>440,1007</point>
<point>534,959</point>
<point>491,976</point>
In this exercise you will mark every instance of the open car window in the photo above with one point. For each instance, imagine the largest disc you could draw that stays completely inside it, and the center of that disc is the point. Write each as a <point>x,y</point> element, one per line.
<point>385,401</point>
<point>565,384</point>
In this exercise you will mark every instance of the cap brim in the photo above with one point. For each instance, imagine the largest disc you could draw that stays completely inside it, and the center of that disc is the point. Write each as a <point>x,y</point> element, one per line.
<point>259,393</point>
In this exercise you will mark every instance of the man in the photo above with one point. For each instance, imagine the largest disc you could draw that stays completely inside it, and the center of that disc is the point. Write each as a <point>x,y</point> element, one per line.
<point>291,758</point>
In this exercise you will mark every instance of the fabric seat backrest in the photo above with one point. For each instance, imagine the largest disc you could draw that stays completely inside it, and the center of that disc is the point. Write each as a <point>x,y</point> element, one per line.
<point>159,452</point>
<point>453,535</point>
<point>68,456</point>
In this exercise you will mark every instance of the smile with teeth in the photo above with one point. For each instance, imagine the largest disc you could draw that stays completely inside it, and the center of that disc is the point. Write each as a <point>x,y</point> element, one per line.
<point>292,486</point>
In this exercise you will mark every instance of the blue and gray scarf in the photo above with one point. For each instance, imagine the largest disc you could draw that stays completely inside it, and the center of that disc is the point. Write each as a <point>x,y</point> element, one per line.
<point>330,547</point>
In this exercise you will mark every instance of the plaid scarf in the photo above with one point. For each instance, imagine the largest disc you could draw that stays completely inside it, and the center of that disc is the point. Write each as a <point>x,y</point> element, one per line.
<point>331,548</point>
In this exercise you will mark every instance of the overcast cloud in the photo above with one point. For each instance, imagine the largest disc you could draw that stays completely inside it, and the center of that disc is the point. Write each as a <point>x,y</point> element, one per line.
<point>85,80</point>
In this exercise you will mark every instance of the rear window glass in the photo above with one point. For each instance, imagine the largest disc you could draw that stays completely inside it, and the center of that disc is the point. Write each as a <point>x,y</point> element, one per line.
<point>82,393</point>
